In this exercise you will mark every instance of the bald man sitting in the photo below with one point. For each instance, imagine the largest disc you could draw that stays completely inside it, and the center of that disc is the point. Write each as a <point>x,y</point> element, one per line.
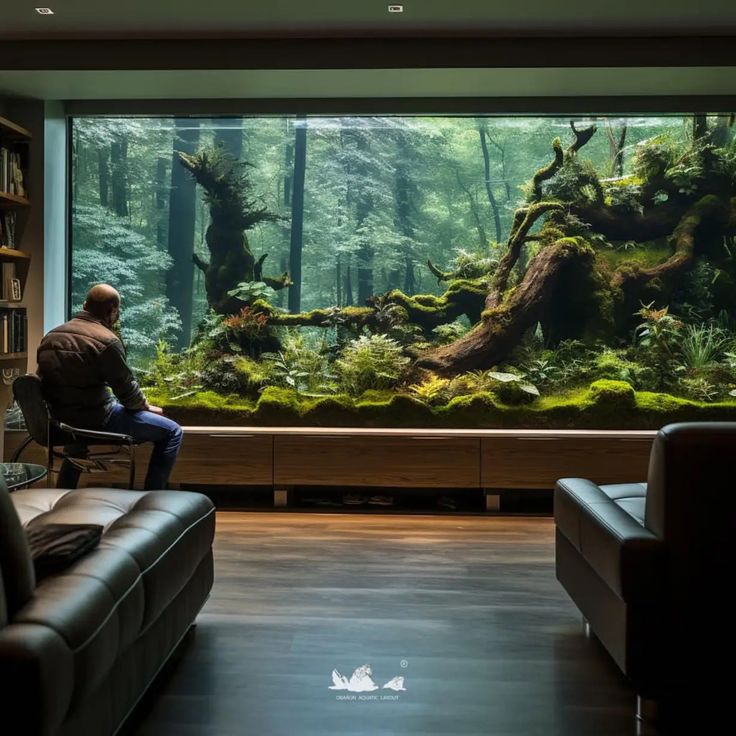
<point>88,384</point>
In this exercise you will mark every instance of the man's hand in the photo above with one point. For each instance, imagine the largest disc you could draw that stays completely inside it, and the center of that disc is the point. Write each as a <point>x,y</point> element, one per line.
<point>154,409</point>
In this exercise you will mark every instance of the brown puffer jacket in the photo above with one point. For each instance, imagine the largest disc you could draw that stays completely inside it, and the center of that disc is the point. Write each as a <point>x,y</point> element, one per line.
<point>79,362</point>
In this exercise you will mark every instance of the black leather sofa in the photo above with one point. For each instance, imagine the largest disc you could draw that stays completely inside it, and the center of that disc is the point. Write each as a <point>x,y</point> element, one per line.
<point>78,649</point>
<point>650,565</point>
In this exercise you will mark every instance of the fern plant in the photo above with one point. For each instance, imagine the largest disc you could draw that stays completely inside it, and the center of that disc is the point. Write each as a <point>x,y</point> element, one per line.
<point>370,362</point>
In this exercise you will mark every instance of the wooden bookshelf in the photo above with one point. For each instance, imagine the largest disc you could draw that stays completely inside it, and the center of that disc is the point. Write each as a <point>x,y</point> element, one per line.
<point>13,254</point>
<point>13,356</point>
<point>13,200</point>
<point>11,130</point>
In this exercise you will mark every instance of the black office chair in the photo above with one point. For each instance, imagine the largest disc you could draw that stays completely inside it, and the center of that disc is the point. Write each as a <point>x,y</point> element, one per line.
<point>51,434</point>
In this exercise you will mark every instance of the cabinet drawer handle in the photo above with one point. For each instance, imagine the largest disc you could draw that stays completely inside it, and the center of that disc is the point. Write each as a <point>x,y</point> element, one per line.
<point>430,438</point>
<point>232,436</point>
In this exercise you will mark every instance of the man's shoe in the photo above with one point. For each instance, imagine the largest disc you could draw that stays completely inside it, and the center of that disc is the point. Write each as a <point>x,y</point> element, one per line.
<point>353,499</point>
<point>446,502</point>
<point>381,501</point>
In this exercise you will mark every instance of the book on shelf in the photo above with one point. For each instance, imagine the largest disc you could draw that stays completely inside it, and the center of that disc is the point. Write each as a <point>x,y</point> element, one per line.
<point>10,286</point>
<point>7,228</point>
<point>13,331</point>
<point>11,173</point>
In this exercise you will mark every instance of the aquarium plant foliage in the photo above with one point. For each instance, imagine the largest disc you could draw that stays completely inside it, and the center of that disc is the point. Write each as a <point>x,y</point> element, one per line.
<point>459,272</point>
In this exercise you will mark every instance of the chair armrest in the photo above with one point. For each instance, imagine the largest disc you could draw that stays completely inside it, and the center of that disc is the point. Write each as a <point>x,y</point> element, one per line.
<point>37,672</point>
<point>625,554</point>
<point>111,437</point>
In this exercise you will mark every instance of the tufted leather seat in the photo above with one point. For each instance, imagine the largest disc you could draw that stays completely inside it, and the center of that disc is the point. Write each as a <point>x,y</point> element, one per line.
<point>105,618</point>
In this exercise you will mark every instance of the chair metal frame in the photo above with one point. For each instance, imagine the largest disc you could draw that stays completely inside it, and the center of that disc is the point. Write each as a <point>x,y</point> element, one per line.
<point>62,434</point>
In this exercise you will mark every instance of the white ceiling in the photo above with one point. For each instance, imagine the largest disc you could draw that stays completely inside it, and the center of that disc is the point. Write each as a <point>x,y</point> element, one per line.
<point>227,18</point>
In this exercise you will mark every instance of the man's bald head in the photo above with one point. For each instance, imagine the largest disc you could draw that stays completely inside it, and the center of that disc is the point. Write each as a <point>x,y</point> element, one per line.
<point>103,302</point>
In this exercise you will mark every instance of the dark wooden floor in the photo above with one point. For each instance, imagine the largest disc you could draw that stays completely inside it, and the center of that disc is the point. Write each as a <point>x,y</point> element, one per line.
<point>466,608</point>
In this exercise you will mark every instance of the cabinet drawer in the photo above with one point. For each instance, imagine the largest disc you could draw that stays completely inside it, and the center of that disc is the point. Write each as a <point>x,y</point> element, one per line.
<point>225,459</point>
<point>430,462</point>
<point>537,462</point>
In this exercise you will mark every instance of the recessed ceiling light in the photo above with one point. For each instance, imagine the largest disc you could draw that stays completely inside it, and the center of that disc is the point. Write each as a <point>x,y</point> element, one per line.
<point>395,8</point>
<point>44,11</point>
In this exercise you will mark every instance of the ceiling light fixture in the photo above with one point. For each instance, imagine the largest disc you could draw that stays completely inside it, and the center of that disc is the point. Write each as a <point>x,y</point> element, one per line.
<point>44,11</point>
<point>395,8</point>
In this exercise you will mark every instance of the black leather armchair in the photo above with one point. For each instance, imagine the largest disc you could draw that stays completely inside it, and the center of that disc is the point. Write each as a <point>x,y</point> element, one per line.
<point>649,565</point>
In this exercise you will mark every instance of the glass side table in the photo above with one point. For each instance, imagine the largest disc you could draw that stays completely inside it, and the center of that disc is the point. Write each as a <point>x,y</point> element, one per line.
<point>21,475</point>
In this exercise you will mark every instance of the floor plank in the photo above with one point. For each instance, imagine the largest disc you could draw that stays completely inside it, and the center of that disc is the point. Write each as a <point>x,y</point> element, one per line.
<point>466,608</point>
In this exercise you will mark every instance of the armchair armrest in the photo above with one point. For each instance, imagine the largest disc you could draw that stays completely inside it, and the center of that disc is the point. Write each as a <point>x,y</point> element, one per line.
<point>76,432</point>
<point>625,554</point>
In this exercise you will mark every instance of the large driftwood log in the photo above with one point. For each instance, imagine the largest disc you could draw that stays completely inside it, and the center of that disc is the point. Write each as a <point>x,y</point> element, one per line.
<point>503,326</point>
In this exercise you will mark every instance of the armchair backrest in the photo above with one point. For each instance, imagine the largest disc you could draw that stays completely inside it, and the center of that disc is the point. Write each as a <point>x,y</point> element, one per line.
<point>691,506</point>
<point>29,395</point>
<point>16,566</point>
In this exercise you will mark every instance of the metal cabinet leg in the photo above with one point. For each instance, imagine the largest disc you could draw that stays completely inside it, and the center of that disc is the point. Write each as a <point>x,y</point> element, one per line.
<point>280,497</point>
<point>493,501</point>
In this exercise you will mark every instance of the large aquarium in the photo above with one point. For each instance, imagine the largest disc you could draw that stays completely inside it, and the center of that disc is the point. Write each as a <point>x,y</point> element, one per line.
<point>552,272</point>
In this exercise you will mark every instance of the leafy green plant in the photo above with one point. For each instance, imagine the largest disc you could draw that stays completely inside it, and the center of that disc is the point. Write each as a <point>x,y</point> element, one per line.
<point>370,362</point>
<point>699,388</point>
<point>250,291</point>
<point>658,338</point>
<point>450,332</point>
<point>433,390</point>
<point>301,365</point>
<point>175,374</point>
<point>702,345</point>
<point>541,371</point>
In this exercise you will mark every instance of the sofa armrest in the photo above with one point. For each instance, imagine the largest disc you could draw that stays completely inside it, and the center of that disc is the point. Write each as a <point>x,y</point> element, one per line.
<point>37,672</point>
<point>625,554</point>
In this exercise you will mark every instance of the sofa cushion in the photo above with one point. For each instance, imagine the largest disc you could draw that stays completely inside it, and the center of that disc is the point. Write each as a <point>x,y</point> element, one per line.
<point>152,543</point>
<point>631,497</point>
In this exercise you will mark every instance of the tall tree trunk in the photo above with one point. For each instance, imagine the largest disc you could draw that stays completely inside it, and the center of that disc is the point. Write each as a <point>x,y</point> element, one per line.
<point>700,125</point>
<point>616,145</point>
<point>487,178</point>
<point>405,207</point>
<point>473,204</point>
<point>348,285</point>
<point>161,200</point>
<point>338,280</point>
<point>103,174</point>
<point>182,203</point>
<point>297,214</point>
<point>119,175</point>
<point>229,137</point>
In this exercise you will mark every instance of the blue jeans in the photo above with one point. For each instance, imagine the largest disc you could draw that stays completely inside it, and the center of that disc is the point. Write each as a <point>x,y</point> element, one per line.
<point>142,426</point>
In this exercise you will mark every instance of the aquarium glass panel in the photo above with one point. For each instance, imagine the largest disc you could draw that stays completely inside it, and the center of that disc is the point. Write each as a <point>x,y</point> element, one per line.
<point>417,271</point>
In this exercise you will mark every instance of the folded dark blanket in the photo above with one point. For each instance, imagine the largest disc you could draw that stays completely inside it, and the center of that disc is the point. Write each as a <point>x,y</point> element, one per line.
<point>55,546</point>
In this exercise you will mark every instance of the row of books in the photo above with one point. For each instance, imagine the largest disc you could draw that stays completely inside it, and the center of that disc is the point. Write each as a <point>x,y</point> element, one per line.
<point>11,174</point>
<point>7,229</point>
<point>13,331</point>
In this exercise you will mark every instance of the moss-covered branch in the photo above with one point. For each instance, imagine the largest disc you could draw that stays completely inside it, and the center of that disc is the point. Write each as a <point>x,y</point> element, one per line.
<point>548,171</point>
<point>581,137</point>
<point>463,297</point>
<point>709,210</point>
<point>524,220</point>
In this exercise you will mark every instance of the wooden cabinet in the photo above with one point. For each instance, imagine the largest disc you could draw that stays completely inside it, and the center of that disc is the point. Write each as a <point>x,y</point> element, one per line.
<point>376,460</point>
<point>538,461</point>
<point>267,456</point>
<point>225,459</point>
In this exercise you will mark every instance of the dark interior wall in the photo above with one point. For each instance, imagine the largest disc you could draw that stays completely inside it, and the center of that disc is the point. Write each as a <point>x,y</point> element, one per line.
<point>367,53</point>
